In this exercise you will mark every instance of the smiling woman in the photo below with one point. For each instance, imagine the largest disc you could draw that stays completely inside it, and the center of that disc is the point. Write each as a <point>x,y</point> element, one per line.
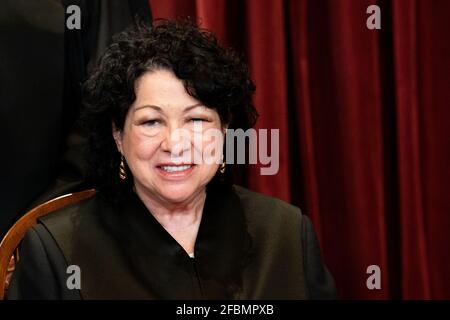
<point>162,165</point>
<point>165,223</point>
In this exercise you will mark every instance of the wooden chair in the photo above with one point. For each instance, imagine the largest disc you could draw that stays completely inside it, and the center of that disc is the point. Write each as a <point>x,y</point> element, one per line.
<point>9,253</point>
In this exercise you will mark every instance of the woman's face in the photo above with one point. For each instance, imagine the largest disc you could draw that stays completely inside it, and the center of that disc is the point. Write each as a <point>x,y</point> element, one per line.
<point>166,140</point>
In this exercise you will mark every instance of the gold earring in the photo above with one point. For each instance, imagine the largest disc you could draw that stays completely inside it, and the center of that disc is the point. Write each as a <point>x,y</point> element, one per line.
<point>222,167</point>
<point>122,172</point>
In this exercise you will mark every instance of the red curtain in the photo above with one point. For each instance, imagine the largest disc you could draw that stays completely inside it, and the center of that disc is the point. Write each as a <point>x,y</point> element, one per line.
<point>364,128</point>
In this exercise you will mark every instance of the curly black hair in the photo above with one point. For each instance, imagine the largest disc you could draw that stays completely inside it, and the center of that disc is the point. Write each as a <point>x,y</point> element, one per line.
<point>215,76</point>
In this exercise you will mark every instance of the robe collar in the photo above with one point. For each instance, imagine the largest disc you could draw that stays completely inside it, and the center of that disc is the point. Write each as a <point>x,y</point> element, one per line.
<point>222,249</point>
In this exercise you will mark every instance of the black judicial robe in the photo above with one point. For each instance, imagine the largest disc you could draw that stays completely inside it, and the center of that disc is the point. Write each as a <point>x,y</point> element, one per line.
<point>249,246</point>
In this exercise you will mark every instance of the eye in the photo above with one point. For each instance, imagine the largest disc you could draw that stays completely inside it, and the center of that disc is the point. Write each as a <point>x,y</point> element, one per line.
<point>197,120</point>
<point>151,123</point>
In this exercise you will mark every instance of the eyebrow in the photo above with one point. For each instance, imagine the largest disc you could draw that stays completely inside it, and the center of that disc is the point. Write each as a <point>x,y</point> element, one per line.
<point>159,109</point>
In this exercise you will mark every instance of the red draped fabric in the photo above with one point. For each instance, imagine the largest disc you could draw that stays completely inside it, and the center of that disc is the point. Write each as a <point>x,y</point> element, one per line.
<point>364,126</point>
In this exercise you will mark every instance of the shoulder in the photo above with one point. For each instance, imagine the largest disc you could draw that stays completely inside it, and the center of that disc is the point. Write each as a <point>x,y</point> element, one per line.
<point>266,216</point>
<point>64,224</point>
<point>258,204</point>
<point>68,217</point>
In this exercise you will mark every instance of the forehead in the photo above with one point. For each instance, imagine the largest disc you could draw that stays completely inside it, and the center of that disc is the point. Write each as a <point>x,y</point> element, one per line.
<point>162,88</point>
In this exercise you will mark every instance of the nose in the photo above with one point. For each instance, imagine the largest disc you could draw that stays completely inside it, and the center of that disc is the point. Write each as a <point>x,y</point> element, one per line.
<point>176,141</point>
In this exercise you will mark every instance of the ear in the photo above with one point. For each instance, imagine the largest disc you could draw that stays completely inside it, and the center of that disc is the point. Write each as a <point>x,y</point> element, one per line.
<point>117,135</point>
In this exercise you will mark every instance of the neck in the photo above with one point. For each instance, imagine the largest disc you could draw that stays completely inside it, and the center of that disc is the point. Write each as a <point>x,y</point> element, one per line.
<point>172,216</point>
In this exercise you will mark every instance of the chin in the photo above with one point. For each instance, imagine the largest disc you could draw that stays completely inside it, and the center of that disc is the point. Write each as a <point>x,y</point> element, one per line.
<point>177,193</point>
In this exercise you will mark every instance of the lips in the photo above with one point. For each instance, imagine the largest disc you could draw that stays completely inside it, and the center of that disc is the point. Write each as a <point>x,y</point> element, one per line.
<point>175,171</point>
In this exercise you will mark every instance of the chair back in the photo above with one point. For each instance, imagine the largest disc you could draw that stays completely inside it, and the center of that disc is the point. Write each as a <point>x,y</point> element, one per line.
<point>9,244</point>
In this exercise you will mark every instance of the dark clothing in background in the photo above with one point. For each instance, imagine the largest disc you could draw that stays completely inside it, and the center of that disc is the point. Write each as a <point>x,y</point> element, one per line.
<point>41,66</point>
<point>249,246</point>
<point>31,102</point>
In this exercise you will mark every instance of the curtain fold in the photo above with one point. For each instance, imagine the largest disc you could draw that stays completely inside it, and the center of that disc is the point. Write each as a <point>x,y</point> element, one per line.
<point>266,52</point>
<point>299,88</point>
<point>364,128</point>
<point>415,281</point>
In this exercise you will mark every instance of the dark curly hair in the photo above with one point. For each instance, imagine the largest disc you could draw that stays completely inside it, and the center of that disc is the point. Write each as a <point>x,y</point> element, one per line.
<point>215,76</point>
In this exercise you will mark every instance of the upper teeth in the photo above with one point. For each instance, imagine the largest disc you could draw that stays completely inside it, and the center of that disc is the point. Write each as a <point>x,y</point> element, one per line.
<point>175,168</point>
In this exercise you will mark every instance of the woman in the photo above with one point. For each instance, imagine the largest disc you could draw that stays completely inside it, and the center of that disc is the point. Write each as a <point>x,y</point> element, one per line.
<point>165,223</point>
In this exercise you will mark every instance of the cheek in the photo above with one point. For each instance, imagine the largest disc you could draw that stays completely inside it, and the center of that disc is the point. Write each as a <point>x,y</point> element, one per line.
<point>139,148</point>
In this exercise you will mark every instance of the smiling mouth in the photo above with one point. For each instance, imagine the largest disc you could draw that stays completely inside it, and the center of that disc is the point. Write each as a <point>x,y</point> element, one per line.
<point>174,169</point>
